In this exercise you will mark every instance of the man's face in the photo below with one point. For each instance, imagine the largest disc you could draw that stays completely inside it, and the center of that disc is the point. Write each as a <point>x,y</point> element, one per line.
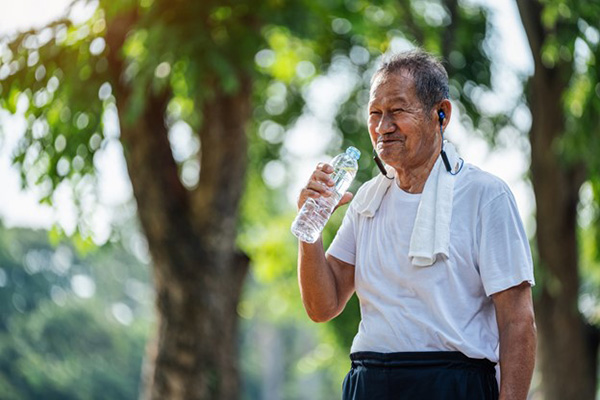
<point>403,133</point>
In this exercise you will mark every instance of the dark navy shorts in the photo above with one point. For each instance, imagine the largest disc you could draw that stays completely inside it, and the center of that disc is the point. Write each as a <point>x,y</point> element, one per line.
<point>419,376</point>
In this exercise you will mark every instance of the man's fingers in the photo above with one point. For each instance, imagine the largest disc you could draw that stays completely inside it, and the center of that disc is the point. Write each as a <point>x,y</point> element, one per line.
<point>318,185</point>
<point>320,176</point>
<point>327,168</point>
<point>323,173</point>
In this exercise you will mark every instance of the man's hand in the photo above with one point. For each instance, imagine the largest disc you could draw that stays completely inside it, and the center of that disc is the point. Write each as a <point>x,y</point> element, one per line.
<point>320,184</point>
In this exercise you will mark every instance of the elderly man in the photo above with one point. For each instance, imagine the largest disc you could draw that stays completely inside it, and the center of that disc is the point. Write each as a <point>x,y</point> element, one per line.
<point>435,251</point>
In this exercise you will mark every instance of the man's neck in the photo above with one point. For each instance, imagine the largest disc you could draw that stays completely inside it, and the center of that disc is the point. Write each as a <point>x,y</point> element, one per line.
<point>412,180</point>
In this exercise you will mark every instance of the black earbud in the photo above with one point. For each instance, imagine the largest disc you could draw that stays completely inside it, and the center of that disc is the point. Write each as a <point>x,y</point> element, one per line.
<point>441,116</point>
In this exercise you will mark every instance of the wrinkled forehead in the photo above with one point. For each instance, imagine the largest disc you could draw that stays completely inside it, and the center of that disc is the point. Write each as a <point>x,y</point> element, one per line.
<point>386,85</point>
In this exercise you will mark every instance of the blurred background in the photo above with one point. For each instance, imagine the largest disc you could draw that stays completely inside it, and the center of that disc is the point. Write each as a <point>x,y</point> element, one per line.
<point>151,153</point>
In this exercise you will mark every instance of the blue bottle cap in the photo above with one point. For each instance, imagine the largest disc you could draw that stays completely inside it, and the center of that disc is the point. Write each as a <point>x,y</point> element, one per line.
<point>353,152</point>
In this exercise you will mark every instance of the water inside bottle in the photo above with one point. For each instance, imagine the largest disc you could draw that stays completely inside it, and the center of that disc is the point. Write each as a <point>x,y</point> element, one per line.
<point>313,216</point>
<point>342,178</point>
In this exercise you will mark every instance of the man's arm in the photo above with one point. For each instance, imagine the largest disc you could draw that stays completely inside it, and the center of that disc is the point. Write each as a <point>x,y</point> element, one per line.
<point>516,326</point>
<point>326,283</point>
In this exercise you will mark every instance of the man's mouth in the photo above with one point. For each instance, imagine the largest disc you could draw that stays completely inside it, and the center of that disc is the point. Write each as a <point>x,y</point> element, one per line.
<point>384,140</point>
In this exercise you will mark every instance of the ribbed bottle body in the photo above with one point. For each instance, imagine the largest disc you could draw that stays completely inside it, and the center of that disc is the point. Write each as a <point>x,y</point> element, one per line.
<point>315,213</point>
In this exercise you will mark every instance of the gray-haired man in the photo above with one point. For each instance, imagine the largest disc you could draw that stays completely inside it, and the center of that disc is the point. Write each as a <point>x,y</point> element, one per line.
<point>429,329</point>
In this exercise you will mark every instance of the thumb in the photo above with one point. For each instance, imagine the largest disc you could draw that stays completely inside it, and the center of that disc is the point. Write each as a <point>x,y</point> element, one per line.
<point>345,199</point>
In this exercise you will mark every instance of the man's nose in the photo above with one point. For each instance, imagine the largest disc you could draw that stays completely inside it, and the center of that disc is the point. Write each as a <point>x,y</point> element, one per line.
<point>386,124</point>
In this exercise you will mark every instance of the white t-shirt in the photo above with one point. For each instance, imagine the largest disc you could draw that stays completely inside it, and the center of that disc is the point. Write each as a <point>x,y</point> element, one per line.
<point>446,306</point>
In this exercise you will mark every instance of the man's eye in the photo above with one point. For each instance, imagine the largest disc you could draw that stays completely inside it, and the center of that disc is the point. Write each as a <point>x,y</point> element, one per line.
<point>398,110</point>
<point>373,112</point>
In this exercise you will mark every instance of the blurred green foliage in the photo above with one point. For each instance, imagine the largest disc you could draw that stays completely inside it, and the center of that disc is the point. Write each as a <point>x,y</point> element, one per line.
<point>75,326</point>
<point>71,327</point>
<point>573,45</point>
<point>59,78</point>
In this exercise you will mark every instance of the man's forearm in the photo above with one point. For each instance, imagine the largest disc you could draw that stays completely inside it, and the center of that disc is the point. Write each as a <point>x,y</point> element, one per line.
<point>317,282</point>
<point>517,359</point>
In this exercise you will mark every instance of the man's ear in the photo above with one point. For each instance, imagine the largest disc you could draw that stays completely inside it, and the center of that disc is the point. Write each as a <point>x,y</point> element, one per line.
<point>445,108</point>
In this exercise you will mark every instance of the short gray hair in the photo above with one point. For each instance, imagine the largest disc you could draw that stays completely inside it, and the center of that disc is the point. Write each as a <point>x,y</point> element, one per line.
<point>428,73</point>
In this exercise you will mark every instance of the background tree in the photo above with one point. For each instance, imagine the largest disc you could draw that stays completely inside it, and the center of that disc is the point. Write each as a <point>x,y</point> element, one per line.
<point>151,65</point>
<point>564,100</point>
<point>68,78</point>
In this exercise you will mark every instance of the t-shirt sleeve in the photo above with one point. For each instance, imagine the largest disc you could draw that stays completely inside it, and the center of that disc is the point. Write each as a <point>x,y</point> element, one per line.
<point>343,246</point>
<point>504,253</point>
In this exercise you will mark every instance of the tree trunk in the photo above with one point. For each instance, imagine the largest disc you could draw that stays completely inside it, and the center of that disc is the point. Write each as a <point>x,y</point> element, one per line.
<point>567,346</point>
<point>198,273</point>
<point>567,355</point>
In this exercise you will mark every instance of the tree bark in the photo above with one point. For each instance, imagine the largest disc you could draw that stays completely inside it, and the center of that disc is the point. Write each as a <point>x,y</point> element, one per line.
<point>567,346</point>
<point>198,273</point>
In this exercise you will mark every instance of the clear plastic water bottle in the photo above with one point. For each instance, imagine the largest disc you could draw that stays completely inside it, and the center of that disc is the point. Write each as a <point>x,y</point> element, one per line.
<point>315,213</point>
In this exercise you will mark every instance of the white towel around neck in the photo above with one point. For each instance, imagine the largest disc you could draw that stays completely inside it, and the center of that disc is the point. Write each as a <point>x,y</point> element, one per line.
<point>431,232</point>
